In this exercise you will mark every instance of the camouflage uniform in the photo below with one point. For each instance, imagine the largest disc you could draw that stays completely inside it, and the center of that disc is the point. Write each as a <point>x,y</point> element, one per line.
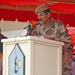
<point>57,31</point>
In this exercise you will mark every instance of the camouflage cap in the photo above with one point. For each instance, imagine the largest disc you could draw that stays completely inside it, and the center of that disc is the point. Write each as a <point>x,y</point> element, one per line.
<point>41,8</point>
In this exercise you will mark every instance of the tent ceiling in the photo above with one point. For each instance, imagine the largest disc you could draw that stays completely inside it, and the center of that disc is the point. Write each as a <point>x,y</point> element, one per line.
<point>22,10</point>
<point>27,5</point>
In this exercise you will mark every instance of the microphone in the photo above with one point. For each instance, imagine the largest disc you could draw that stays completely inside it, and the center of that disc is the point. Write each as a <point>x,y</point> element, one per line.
<point>28,26</point>
<point>31,25</point>
<point>29,30</point>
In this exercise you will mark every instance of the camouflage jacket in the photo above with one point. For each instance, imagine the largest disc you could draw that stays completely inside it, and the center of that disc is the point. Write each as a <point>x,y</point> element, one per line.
<point>56,30</point>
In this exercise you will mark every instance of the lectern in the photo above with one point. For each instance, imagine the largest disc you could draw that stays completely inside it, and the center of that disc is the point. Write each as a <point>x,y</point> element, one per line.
<point>32,56</point>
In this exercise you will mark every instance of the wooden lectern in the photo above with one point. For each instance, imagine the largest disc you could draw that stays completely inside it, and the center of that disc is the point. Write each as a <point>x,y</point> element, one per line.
<point>32,56</point>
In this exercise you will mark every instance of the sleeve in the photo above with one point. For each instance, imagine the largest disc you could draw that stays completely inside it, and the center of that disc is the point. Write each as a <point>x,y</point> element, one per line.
<point>65,37</point>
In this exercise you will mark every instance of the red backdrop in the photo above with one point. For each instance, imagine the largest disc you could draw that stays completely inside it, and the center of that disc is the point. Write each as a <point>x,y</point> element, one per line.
<point>30,15</point>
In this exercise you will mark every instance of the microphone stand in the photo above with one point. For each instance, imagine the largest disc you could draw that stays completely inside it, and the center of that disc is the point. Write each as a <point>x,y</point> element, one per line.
<point>19,33</point>
<point>29,26</point>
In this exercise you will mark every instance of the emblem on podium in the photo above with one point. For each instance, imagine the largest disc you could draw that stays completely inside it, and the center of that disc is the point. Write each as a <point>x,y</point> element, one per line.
<point>16,61</point>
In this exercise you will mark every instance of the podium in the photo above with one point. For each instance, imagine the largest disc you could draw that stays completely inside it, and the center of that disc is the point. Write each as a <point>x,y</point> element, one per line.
<point>32,56</point>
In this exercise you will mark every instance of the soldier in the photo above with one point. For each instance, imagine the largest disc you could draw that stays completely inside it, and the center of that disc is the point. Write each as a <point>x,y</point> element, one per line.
<point>55,30</point>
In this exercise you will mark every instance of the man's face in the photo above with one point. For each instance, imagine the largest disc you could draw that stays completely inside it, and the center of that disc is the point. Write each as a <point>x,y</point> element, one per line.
<point>43,18</point>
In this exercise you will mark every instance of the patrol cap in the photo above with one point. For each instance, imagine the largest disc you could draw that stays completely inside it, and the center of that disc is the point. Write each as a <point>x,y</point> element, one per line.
<point>41,8</point>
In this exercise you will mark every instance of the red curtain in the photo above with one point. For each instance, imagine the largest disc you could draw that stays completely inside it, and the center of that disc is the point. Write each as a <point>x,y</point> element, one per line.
<point>63,7</point>
<point>12,15</point>
<point>22,2</point>
<point>29,15</point>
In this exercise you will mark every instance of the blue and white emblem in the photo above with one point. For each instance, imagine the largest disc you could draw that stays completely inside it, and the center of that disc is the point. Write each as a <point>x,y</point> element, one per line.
<point>16,61</point>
